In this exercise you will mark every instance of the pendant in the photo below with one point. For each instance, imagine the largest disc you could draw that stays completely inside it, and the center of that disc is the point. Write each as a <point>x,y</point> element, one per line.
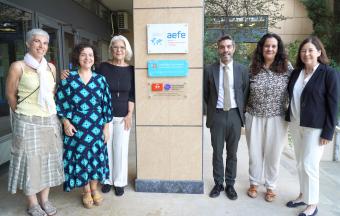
<point>117,94</point>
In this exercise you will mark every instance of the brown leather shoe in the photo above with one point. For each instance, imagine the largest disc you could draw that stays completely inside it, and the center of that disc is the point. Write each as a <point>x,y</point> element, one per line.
<point>252,191</point>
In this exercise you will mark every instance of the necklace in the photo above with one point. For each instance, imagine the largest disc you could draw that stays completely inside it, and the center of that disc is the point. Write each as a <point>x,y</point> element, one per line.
<point>118,77</point>
<point>117,88</point>
<point>118,80</point>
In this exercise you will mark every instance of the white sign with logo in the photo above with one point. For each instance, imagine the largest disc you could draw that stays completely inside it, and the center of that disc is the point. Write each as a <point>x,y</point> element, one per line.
<point>167,38</point>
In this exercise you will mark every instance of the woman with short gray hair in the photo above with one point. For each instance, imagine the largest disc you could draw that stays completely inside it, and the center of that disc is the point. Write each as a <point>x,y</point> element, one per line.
<point>36,151</point>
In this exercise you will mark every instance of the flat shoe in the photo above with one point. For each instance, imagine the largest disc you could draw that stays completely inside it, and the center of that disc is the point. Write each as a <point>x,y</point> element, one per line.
<point>314,213</point>
<point>87,200</point>
<point>119,191</point>
<point>49,208</point>
<point>106,188</point>
<point>36,211</point>
<point>97,198</point>
<point>292,204</point>
<point>252,191</point>
<point>270,196</point>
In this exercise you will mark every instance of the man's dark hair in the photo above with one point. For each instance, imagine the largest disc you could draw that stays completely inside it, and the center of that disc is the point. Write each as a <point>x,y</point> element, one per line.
<point>225,37</point>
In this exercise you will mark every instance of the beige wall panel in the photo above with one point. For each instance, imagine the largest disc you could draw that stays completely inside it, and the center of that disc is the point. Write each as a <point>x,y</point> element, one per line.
<point>288,8</point>
<point>299,9</point>
<point>164,154</point>
<point>307,26</point>
<point>148,110</point>
<point>144,17</point>
<point>166,3</point>
<point>169,110</point>
<point>281,28</point>
<point>295,26</point>
<point>293,8</point>
<point>291,38</point>
<point>153,153</point>
<point>186,153</point>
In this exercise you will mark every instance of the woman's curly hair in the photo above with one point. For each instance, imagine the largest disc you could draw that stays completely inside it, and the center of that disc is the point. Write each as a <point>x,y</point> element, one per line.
<point>280,64</point>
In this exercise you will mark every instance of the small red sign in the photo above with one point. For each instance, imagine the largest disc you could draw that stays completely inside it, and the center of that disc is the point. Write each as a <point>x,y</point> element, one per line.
<point>157,87</point>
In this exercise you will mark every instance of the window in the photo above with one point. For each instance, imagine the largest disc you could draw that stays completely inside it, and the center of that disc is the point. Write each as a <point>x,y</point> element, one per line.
<point>14,23</point>
<point>97,8</point>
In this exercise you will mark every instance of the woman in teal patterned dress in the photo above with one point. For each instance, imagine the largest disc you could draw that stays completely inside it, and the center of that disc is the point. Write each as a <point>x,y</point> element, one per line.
<point>84,104</point>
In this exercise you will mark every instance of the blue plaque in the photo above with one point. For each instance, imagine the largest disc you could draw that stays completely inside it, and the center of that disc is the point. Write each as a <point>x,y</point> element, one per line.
<point>167,68</point>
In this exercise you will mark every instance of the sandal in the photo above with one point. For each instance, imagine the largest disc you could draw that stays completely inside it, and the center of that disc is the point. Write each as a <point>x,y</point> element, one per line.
<point>270,195</point>
<point>252,191</point>
<point>97,198</point>
<point>49,208</point>
<point>36,211</point>
<point>87,199</point>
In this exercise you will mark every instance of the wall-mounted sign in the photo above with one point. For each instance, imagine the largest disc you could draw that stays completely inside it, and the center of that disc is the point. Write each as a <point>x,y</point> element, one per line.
<point>167,38</point>
<point>167,89</point>
<point>167,68</point>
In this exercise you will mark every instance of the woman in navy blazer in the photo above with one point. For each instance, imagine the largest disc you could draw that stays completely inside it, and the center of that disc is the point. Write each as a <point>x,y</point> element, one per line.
<point>313,105</point>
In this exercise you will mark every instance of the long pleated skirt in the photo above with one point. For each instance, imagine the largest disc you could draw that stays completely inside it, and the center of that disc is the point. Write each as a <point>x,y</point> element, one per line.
<point>36,154</point>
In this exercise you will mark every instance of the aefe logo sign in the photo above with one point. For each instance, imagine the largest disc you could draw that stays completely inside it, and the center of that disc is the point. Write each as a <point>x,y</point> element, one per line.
<point>175,35</point>
<point>167,38</point>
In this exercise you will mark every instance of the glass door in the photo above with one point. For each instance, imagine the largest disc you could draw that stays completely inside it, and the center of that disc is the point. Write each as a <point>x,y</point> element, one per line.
<point>54,53</point>
<point>68,47</point>
<point>14,23</point>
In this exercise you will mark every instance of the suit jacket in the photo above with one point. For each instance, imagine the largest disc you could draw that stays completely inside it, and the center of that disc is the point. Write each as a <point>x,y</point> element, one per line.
<point>211,86</point>
<point>319,100</point>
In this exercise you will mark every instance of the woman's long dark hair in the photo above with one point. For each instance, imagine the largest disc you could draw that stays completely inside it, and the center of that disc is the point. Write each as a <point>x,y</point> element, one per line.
<point>280,64</point>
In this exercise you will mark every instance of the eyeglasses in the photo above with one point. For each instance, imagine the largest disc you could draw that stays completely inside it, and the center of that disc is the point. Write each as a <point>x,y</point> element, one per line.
<point>308,50</point>
<point>115,48</point>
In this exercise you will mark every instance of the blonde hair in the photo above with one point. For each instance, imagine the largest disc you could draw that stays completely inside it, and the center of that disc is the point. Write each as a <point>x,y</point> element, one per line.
<point>128,49</point>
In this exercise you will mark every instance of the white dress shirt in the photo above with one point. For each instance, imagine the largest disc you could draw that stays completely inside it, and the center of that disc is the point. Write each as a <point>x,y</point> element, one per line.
<point>220,99</point>
<point>297,91</point>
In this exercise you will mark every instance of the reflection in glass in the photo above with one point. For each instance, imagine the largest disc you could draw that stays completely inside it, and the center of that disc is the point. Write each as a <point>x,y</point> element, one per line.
<point>68,46</point>
<point>52,53</point>
<point>14,23</point>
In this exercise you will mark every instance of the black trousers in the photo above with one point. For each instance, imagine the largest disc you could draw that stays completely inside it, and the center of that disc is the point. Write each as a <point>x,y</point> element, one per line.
<point>226,128</point>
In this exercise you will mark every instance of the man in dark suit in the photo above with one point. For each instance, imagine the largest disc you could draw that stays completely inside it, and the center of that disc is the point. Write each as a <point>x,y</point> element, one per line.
<point>225,92</point>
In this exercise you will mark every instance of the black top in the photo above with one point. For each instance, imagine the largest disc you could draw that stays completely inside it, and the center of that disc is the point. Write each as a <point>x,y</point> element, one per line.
<point>121,82</point>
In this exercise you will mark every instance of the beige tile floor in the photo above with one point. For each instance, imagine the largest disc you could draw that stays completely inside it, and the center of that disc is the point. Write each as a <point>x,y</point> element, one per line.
<point>160,204</point>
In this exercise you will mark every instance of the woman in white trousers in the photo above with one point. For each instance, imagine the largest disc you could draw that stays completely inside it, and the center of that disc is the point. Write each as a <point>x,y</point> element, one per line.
<point>314,95</point>
<point>118,149</point>
<point>266,128</point>
<point>120,77</point>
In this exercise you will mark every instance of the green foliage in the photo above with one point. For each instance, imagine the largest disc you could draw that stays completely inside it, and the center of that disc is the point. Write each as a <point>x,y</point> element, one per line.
<point>272,8</point>
<point>325,24</point>
<point>292,50</point>
<point>210,51</point>
<point>335,65</point>
<point>244,52</point>
<point>242,8</point>
<point>210,54</point>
